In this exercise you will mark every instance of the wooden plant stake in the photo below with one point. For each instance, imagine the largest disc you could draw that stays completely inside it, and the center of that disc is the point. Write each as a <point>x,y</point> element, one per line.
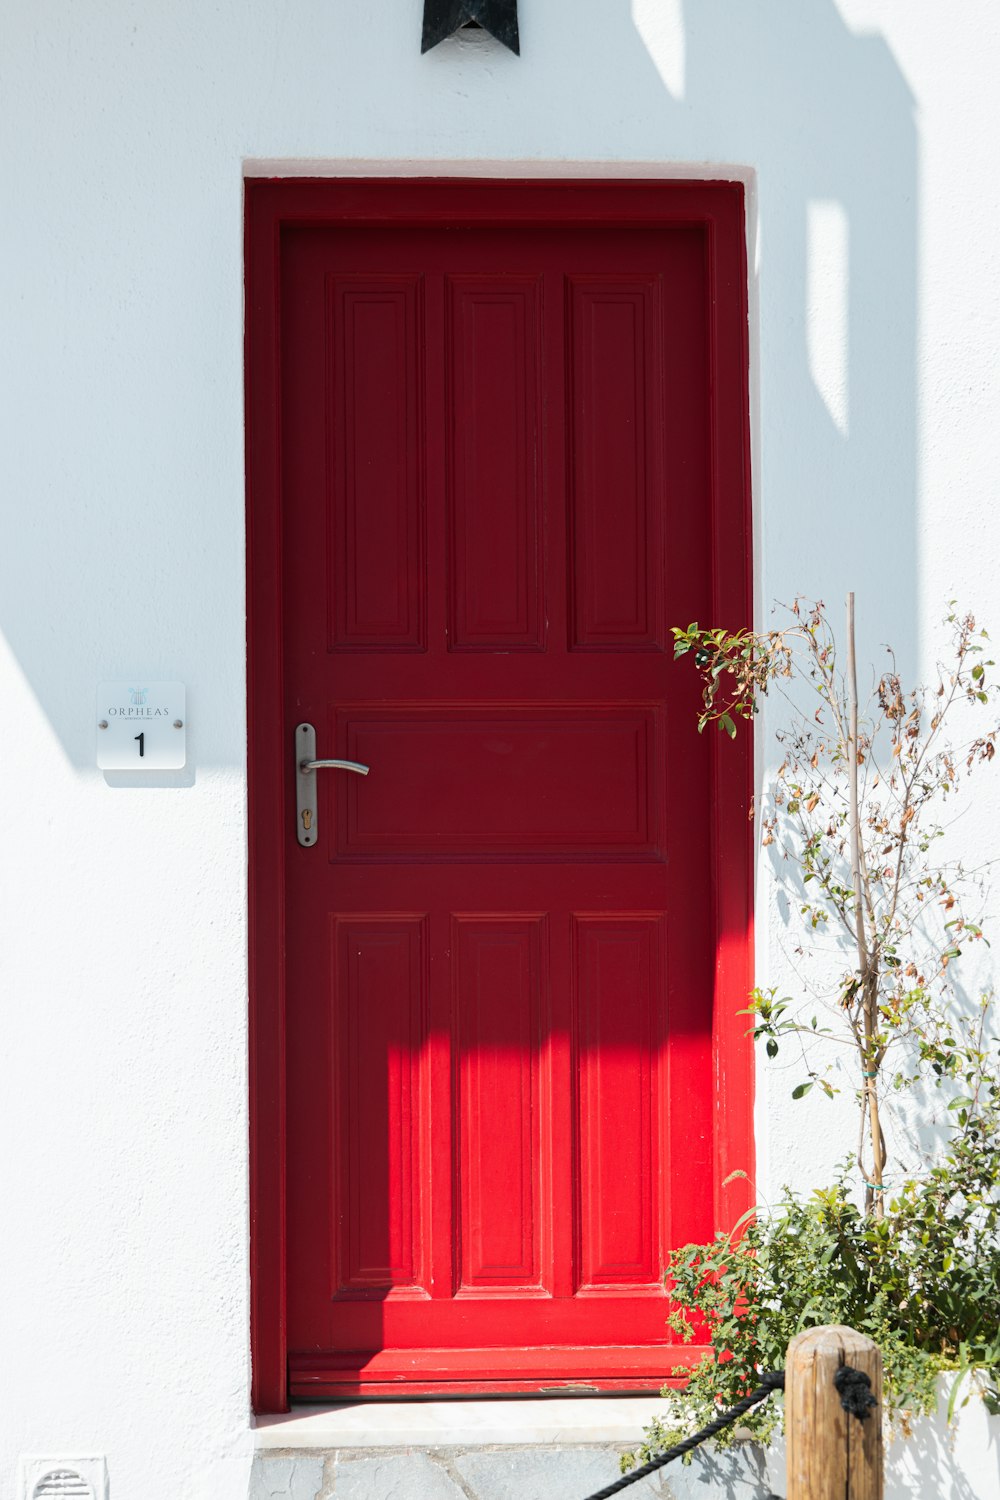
<point>832,1453</point>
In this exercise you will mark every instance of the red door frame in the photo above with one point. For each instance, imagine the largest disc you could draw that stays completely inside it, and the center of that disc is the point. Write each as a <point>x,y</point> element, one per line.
<point>271,204</point>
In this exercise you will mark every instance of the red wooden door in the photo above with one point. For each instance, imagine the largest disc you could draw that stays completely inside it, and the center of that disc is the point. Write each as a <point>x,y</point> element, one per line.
<point>496,466</point>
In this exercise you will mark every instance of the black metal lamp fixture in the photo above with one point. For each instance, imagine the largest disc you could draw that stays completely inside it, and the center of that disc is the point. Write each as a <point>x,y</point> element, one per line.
<point>442,18</point>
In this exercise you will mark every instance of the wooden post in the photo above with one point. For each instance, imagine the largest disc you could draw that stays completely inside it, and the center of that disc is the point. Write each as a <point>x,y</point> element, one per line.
<point>832,1454</point>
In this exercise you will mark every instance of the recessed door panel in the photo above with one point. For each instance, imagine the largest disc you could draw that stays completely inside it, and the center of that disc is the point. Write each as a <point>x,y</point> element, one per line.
<point>495,580</point>
<point>546,780</point>
<point>499,981</point>
<point>374,508</point>
<point>616,407</point>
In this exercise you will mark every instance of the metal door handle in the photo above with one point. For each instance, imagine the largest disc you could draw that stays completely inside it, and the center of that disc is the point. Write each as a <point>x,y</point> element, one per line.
<point>338,765</point>
<point>306,812</point>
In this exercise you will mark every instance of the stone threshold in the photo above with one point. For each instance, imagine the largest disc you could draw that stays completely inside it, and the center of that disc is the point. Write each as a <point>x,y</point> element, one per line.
<point>537,1420</point>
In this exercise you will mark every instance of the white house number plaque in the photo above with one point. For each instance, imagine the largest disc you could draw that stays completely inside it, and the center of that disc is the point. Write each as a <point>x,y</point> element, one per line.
<point>141,726</point>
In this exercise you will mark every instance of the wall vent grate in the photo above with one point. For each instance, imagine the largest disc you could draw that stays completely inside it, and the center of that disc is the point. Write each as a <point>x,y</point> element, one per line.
<point>68,1476</point>
<point>62,1482</point>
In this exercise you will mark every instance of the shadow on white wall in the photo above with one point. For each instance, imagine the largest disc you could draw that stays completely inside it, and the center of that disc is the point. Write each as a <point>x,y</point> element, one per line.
<point>124,444</point>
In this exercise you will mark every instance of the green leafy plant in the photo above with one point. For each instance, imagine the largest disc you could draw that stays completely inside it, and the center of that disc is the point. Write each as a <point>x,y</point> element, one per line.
<point>854,817</point>
<point>855,813</point>
<point>922,1280</point>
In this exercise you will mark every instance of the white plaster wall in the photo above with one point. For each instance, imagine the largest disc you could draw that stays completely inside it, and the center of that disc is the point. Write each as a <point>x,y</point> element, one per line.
<point>866,128</point>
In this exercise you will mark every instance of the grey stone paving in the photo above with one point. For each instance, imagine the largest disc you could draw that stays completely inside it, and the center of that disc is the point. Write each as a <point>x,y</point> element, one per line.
<point>550,1472</point>
<point>546,1473</point>
<point>738,1473</point>
<point>298,1478</point>
<point>400,1476</point>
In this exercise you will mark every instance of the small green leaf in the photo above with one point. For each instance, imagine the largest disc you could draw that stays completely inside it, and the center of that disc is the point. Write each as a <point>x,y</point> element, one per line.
<point>801,1090</point>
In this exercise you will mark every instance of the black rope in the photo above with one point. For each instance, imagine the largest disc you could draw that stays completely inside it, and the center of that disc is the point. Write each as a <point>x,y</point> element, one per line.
<point>854,1388</point>
<point>773,1381</point>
